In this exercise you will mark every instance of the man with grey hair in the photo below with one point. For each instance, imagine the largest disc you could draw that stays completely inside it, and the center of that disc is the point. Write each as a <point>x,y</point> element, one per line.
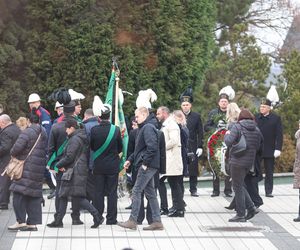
<point>8,135</point>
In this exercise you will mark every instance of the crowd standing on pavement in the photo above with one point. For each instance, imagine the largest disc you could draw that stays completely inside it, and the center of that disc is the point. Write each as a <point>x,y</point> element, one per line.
<point>80,159</point>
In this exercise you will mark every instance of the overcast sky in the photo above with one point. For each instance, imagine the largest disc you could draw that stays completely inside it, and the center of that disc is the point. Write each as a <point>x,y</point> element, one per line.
<point>270,39</point>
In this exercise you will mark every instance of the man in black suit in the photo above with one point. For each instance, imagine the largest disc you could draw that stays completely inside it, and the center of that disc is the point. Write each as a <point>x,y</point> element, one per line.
<point>195,144</point>
<point>271,129</point>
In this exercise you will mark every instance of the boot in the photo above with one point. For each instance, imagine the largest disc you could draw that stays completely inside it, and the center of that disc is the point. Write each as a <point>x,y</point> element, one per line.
<point>130,224</point>
<point>251,213</point>
<point>298,218</point>
<point>231,205</point>
<point>176,213</point>
<point>56,224</point>
<point>154,226</point>
<point>97,220</point>
<point>237,219</point>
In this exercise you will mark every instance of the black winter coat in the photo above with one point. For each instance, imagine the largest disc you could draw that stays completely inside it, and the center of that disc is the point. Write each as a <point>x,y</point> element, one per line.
<point>108,162</point>
<point>58,136</point>
<point>194,124</point>
<point>75,156</point>
<point>8,137</point>
<point>254,141</point>
<point>31,182</point>
<point>211,123</point>
<point>146,150</point>
<point>271,129</point>
<point>130,149</point>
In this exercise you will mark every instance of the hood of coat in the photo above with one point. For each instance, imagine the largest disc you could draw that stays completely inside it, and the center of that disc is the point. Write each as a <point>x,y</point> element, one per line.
<point>248,124</point>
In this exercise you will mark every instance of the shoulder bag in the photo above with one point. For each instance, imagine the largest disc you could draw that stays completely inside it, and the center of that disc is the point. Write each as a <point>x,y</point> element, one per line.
<point>14,169</point>
<point>240,147</point>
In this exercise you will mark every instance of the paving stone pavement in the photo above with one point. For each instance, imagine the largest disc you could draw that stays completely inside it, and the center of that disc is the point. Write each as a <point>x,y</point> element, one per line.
<point>205,226</point>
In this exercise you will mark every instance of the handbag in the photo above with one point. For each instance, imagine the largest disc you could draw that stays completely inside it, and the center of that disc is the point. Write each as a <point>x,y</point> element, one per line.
<point>14,169</point>
<point>240,147</point>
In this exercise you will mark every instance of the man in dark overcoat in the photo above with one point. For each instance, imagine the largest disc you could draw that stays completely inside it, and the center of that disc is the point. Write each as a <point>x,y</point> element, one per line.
<point>211,125</point>
<point>8,135</point>
<point>195,144</point>
<point>270,126</point>
<point>106,165</point>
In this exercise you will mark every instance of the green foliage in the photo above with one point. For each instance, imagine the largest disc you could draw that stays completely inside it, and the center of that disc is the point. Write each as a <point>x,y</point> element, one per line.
<point>285,162</point>
<point>241,65</point>
<point>289,111</point>
<point>164,45</point>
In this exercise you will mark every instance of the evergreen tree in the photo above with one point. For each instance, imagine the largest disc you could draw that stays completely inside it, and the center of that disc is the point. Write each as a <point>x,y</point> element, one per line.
<point>164,45</point>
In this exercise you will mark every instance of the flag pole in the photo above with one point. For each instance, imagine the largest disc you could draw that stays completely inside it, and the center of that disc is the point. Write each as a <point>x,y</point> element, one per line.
<point>117,99</point>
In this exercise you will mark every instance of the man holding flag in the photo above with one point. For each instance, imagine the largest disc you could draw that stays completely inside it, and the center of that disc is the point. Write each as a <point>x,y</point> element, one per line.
<point>106,143</point>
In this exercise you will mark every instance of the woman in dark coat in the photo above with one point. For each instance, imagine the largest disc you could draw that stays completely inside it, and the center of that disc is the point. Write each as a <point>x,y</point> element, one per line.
<point>241,164</point>
<point>27,191</point>
<point>74,157</point>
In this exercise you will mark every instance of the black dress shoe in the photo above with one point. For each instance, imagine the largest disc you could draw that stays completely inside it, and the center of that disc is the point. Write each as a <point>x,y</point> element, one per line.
<point>251,213</point>
<point>77,222</point>
<point>164,212</point>
<point>176,213</point>
<point>270,195</point>
<point>231,206</point>
<point>194,194</point>
<point>29,228</point>
<point>97,221</point>
<point>297,219</point>
<point>214,194</point>
<point>228,194</point>
<point>112,222</point>
<point>237,219</point>
<point>55,224</point>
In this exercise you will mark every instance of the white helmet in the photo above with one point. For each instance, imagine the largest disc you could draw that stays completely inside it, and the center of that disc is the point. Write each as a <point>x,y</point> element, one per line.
<point>58,105</point>
<point>34,98</point>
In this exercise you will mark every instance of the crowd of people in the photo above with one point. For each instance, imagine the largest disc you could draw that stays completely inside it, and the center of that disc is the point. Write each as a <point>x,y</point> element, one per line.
<point>80,160</point>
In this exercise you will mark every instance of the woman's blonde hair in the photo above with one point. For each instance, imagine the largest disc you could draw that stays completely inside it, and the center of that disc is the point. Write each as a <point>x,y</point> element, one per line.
<point>233,112</point>
<point>22,122</point>
<point>179,117</point>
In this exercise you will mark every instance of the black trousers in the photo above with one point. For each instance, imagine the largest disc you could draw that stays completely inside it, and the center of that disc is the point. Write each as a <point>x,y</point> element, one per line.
<point>106,185</point>
<point>242,197</point>
<point>4,189</point>
<point>193,184</point>
<point>251,183</point>
<point>26,205</point>
<point>75,206</point>
<point>269,171</point>
<point>163,193</point>
<point>82,203</point>
<point>216,185</point>
<point>176,191</point>
<point>91,187</point>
